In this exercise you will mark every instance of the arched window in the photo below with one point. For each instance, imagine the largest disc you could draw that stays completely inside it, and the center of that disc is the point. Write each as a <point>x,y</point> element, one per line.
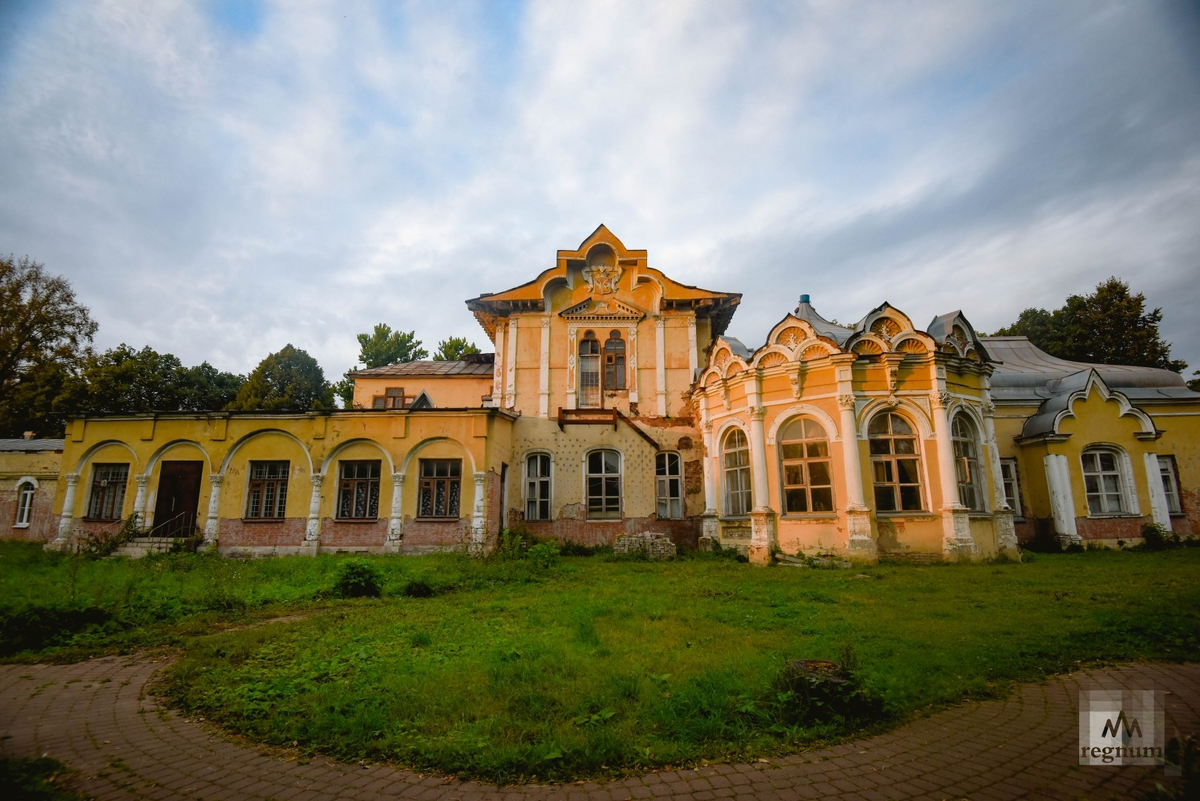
<point>895,464</point>
<point>25,493</point>
<point>589,371</point>
<point>804,459</point>
<point>537,486</point>
<point>966,463</point>
<point>602,479</point>
<point>669,486</point>
<point>736,459</point>
<point>1104,482</point>
<point>614,361</point>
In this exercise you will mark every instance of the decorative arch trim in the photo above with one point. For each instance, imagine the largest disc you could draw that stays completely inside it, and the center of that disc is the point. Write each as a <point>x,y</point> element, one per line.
<point>287,434</point>
<point>90,452</point>
<point>803,410</point>
<point>905,406</point>
<point>1126,408</point>
<point>158,454</point>
<point>328,460</point>
<point>422,445</point>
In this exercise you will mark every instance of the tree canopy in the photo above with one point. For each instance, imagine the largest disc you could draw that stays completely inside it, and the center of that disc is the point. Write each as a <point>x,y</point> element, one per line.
<point>44,337</point>
<point>381,347</point>
<point>290,379</point>
<point>1109,326</point>
<point>453,349</point>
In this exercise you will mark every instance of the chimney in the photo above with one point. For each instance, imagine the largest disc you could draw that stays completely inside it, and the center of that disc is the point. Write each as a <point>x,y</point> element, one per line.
<point>28,435</point>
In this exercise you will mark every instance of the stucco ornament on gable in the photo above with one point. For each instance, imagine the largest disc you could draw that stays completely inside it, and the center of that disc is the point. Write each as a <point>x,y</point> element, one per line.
<point>602,271</point>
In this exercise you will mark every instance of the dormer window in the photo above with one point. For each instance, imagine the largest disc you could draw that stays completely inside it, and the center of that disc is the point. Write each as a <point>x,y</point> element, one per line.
<point>393,398</point>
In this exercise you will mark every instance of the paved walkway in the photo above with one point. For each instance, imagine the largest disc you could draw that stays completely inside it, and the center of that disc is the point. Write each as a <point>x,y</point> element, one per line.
<point>96,717</point>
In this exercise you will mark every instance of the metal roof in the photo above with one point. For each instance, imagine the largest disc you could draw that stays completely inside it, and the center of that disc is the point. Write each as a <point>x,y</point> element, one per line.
<point>30,445</point>
<point>476,367</point>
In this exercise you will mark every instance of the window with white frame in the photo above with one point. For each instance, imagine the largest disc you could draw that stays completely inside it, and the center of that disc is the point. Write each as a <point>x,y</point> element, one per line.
<point>108,491</point>
<point>735,456</point>
<point>589,371</point>
<point>1012,485</point>
<point>25,494</point>
<point>895,464</point>
<point>537,486</point>
<point>966,463</point>
<point>1170,480</point>
<point>1104,482</point>
<point>668,478</point>
<point>804,459</point>
<point>602,479</point>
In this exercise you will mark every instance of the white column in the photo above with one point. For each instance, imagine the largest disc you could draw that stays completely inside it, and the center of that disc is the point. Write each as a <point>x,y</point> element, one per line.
<point>850,454</point>
<point>214,508</point>
<point>395,521</point>
<point>544,374</point>
<point>1160,512</point>
<point>759,492</point>
<point>956,524</point>
<point>1002,517</point>
<point>478,517</point>
<point>660,327</point>
<point>312,531</point>
<point>632,366</point>
<point>1062,500</point>
<point>572,352</point>
<point>859,543</point>
<point>68,510</point>
<point>692,357</point>
<point>139,500</point>
<point>510,397</point>
<point>498,366</point>
<point>710,450</point>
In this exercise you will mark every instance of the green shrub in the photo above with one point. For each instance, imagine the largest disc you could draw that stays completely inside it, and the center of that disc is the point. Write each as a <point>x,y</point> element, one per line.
<point>1159,538</point>
<point>419,589</point>
<point>35,627</point>
<point>572,548</point>
<point>358,579</point>
<point>544,555</point>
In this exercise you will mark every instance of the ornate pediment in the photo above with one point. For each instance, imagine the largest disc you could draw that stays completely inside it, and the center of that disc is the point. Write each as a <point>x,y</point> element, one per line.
<point>603,308</point>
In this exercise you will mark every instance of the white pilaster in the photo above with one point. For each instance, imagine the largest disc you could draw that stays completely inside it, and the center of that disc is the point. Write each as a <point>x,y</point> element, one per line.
<point>312,531</point>
<point>1062,500</point>
<point>1006,534</point>
<point>572,354</point>
<point>544,373</point>
<point>1160,512</point>
<point>859,543</point>
<point>395,521</point>
<point>510,397</point>
<point>139,500</point>
<point>632,367</point>
<point>693,365</point>
<point>956,525</point>
<point>478,517</point>
<point>498,366</point>
<point>660,329</point>
<point>68,511</point>
<point>214,509</point>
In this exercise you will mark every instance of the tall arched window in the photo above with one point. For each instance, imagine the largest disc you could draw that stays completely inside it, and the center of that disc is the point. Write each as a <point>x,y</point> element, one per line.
<point>537,486</point>
<point>614,361</point>
<point>736,459</point>
<point>895,464</point>
<point>589,371</point>
<point>1104,482</point>
<point>966,463</point>
<point>602,479</point>
<point>25,493</point>
<point>804,459</point>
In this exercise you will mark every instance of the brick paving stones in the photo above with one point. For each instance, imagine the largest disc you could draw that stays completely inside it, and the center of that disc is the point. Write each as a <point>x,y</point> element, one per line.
<point>97,717</point>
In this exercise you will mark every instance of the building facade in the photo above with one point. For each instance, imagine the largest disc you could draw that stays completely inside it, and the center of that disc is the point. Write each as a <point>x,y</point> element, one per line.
<point>614,403</point>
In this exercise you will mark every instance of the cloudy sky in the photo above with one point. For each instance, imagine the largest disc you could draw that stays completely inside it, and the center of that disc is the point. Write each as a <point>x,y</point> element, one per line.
<point>218,179</point>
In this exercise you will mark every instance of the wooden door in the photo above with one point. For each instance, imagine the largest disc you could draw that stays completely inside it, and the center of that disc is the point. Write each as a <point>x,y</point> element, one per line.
<point>178,499</point>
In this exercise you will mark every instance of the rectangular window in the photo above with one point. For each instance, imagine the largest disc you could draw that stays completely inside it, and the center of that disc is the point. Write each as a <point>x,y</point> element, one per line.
<point>1012,487</point>
<point>108,491</point>
<point>669,485</point>
<point>537,487</point>
<point>440,488</point>
<point>1104,483</point>
<point>358,490</point>
<point>393,398</point>
<point>266,496</point>
<point>1170,480</point>
<point>603,481</point>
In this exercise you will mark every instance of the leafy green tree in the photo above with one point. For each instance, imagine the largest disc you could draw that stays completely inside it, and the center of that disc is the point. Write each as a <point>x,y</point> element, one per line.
<point>453,349</point>
<point>1109,326</point>
<point>44,336</point>
<point>289,379</point>
<point>205,388</point>
<point>381,347</point>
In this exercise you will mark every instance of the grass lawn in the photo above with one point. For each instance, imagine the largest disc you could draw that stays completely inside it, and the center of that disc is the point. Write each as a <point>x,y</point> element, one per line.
<point>588,666</point>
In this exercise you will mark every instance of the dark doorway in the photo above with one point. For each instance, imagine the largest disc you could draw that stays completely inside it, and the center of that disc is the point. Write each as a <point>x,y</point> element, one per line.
<point>178,497</point>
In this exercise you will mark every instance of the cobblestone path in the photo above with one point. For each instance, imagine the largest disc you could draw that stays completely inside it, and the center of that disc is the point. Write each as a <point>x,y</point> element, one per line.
<point>96,717</point>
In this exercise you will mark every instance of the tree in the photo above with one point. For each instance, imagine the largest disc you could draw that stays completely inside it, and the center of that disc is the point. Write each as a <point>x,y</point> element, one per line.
<point>453,349</point>
<point>381,347</point>
<point>289,379</point>
<point>1109,326</point>
<point>205,388</point>
<point>44,336</point>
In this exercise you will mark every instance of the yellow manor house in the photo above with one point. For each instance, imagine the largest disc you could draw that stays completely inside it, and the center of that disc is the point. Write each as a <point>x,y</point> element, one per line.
<point>615,404</point>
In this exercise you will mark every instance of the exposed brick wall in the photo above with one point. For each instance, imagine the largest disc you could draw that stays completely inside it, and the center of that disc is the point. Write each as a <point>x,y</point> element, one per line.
<point>43,525</point>
<point>1026,529</point>
<point>1188,524</point>
<point>1110,528</point>
<point>235,532</point>
<point>336,533</point>
<point>446,534</point>
<point>685,533</point>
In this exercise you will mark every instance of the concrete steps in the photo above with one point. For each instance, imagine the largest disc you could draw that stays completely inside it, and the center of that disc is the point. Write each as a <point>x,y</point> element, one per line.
<point>141,546</point>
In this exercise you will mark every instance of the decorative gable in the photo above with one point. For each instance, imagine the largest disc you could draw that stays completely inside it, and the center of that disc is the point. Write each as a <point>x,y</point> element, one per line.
<point>604,308</point>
